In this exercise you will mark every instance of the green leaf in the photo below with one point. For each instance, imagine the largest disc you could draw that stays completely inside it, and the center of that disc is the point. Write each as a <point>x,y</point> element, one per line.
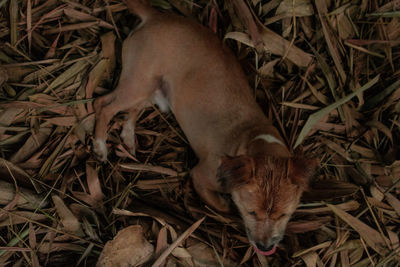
<point>317,116</point>
<point>376,99</point>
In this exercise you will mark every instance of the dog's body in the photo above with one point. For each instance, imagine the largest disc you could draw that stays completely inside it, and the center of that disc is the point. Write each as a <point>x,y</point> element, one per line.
<point>180,65</point>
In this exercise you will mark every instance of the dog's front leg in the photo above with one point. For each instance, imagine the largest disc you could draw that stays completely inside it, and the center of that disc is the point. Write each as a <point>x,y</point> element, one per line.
<point>128,128</point>
<point>207,187</point>
<point>105,108</point>
<point>130,95</point>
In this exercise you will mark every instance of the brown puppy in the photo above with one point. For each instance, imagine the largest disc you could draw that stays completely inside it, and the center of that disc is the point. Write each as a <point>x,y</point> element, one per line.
<point>182,66</point>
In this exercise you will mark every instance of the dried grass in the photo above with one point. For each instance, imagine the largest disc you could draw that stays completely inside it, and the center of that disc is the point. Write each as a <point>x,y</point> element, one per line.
<point>330,68</point>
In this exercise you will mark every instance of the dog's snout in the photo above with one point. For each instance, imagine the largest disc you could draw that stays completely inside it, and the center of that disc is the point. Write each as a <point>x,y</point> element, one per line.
<point>268,244</point>
<point>260,246</point>
<point>264,248</point>
<point>275,240</point>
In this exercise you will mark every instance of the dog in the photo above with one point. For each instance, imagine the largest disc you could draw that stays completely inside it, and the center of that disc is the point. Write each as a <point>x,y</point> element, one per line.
<point>181,66</point>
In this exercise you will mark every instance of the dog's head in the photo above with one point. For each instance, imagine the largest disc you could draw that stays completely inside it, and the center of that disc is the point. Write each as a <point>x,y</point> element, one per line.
<point>266,191</point>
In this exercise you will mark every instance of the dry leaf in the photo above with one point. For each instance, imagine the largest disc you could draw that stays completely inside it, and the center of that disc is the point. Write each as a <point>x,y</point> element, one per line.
<point>19,217</point>
<point>68,220</point>
<point>394,202</point>
<point>310,259</point>
<point>177,242</point>
<point>128,248</point>
<point>204,255</point>
<point>94,187</point>
<point>149,168</point>
<point>46,130</point>
<point>317,116</point>
<point>27,199</point>
<point>298,8</point>
<point>32,144</point>
<point>372,237</point>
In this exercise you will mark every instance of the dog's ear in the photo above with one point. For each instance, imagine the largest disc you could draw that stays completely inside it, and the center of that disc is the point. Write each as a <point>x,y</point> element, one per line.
<point>301,170</point>
<point>234,171</point>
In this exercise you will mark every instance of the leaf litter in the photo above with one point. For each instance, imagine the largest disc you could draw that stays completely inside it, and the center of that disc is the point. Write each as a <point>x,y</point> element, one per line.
<point>327,70</point>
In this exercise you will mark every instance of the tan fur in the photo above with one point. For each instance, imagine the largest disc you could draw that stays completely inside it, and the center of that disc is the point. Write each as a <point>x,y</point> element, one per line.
<point>267,194</point>
<point>174,62</point>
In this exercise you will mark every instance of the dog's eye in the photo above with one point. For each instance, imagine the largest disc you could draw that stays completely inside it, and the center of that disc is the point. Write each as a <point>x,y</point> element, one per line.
<point>252,213</point>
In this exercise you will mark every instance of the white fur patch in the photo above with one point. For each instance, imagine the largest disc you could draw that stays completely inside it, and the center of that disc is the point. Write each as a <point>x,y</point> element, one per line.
<point>128,136</point>
<point>100,149</point>
<point>268,138</point>
<point>161,101</point>
<point>128,130</point>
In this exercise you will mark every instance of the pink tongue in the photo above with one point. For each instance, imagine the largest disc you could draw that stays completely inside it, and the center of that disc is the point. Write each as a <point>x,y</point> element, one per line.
<point>265,253</point>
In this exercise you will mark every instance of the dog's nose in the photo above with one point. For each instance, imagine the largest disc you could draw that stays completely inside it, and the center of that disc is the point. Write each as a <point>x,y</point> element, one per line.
<point>264,248</point>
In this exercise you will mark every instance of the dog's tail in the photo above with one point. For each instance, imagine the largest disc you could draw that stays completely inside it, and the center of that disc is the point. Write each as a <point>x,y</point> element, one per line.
<point>140,8</point>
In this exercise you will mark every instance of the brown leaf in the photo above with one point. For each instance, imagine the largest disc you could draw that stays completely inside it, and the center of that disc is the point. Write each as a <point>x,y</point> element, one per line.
<point>346,206</point>
<point>161,241</point>
<point>145,167</point>
<point>52,50</point>
<point>298,8</point>
<point>371,236</point>
<point>48,247</point>
<point>296,227</point>
<point>313,248</point>
<point>68,220</point>
<point>86,17</point>
<point>32,144</point>
<point>394,202</point>
<point>63,121</point>
<point>248,21</point>
<point>204,256</point>
<point>8,115</point>
<point>322,11</point>
<point>3,76</point>
<point>94,186</point>
<point>18,217</point>
<point>128,248</point>
<point>310,259</point>
<point>27,199</point>
<point>177,242</point>
<point>11,172</point>
<point>275,44</point>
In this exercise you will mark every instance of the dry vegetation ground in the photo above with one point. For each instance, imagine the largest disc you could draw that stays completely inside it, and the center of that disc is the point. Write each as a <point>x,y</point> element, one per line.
<point>333,84</point>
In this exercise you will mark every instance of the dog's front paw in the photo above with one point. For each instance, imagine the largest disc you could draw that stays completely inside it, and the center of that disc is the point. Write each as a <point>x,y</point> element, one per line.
<point>223,204</point>
<point>100,150</point>
<point>128,137</point>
